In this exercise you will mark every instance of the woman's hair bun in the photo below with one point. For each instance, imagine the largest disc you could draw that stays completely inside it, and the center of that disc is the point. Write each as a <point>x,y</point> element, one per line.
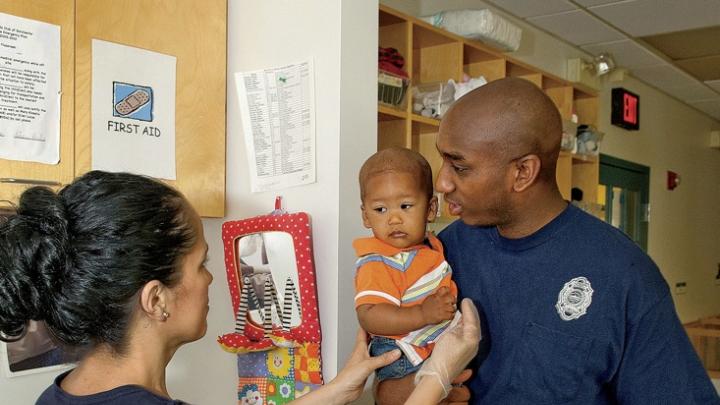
<point>77,259</point>
<point>47,208</point>
<point>33,256</point>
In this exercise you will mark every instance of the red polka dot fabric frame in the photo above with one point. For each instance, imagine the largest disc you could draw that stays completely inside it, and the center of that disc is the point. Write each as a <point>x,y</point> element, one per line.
<point>299,227</point>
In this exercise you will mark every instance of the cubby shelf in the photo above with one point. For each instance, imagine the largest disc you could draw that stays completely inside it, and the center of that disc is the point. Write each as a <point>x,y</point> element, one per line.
<point>435,55</point>
<point>426,120</point>
<point>386,113</point>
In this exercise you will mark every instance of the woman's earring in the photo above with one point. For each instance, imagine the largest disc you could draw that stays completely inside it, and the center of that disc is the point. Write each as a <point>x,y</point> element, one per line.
<point>165,316</point>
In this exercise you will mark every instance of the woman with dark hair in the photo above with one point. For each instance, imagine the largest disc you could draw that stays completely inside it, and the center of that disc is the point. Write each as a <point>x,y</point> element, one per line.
<point>115,264</point>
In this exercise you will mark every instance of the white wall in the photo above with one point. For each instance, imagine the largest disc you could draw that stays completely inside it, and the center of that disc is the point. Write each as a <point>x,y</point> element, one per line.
<point>341,37</point>
<point>24,389</point>
<point>684,231</point>
<point>358,140</point>
<point>275,33</point>
<point>411,7</point>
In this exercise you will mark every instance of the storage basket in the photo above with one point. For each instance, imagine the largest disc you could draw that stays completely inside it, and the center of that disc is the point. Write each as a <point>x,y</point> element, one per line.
<point>392,89</point>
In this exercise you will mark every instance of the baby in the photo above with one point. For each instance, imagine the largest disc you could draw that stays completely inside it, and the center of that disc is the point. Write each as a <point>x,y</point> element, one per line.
<point>404,295</point>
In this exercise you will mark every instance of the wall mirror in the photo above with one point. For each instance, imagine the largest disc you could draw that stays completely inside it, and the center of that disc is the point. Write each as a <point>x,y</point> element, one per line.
<point>271,278</point>
<point>269,258</point>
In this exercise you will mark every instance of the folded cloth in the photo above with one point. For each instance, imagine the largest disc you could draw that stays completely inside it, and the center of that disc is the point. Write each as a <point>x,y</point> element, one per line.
<point>390,60</point>
<point>481,24</point>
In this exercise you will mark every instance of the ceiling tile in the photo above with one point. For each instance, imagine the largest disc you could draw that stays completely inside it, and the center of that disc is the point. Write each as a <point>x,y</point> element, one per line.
<point>524,8</point>
<point>588,3</point>
<point>694,92</point>
<point>577,27</point>
<point>687,44</point>
<point>715,84</point>
<point>627,53</point>
<point>710,107</point>
<point>706,68</point>
<point>663,76</point>
<point>648,17</point>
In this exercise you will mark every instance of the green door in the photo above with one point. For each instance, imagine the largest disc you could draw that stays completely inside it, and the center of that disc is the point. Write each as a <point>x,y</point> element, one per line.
<point>626,188</point>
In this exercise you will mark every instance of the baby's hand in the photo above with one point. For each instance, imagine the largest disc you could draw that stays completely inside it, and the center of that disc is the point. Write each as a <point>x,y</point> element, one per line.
<point>438,307</point>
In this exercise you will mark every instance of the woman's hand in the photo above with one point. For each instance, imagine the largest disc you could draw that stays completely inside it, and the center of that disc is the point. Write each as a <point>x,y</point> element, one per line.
<point>349,383</point>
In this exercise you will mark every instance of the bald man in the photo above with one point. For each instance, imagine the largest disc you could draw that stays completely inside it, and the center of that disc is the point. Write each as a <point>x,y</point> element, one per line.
<point>572,310</point>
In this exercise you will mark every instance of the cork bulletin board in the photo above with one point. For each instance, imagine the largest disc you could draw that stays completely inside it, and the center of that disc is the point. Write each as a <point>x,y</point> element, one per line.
<point>194,32</point>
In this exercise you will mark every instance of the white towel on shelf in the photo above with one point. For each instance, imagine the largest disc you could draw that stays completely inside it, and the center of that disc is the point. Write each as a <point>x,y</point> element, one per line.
<point>482,25</point>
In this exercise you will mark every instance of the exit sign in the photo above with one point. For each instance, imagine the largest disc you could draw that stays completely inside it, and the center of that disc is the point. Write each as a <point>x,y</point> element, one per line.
<point>625,109</point>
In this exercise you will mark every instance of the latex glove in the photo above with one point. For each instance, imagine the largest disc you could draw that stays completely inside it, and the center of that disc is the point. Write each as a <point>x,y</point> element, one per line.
<point>454,350</point>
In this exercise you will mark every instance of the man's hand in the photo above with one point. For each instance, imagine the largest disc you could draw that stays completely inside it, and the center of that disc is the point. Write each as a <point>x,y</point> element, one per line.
<point>459,394</point>
<point>400,389</point>
<point>438,307</point>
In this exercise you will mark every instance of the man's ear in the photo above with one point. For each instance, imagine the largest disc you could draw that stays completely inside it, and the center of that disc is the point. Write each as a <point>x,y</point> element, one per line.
<point>366,221</point>
<point>527,169</point>
<point>153,299</point>
<point>432,209</point>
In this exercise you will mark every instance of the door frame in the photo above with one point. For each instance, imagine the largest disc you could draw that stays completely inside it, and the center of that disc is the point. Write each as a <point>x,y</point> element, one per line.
<point>611,161</point>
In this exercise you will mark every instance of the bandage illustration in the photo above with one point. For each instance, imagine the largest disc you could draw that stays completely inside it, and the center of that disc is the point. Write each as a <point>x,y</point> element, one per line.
<point>132,102</point>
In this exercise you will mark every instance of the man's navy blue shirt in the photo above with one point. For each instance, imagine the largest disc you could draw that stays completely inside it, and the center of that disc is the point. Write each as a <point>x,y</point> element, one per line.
<point>574,313</point>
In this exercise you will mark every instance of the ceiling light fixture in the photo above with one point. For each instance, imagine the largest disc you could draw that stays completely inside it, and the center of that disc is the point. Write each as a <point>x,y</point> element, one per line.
<point>603,64</point>
<point>579,70</point>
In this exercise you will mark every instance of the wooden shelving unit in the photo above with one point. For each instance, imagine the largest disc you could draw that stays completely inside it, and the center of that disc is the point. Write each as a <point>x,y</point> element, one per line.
<point>388,114</point>
<point>435,55</point>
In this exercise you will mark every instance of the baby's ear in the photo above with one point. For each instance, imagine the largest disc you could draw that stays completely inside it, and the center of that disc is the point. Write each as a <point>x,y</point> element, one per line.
<point>432,209</point>
<point>366,221</point>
